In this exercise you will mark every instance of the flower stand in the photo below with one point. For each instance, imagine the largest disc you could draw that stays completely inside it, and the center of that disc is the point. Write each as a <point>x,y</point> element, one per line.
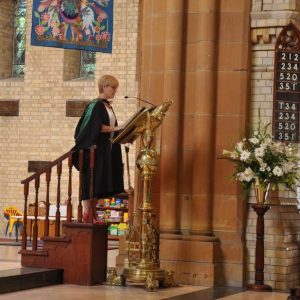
<point>259,285</point>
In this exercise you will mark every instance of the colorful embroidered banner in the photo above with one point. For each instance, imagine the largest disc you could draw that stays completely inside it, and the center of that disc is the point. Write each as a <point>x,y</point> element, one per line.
<point>73,24</point>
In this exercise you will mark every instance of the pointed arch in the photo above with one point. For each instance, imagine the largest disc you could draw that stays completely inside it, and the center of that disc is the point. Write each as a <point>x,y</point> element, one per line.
<point>19,38</point>
<point>289,38</point>
<point>87,64</point>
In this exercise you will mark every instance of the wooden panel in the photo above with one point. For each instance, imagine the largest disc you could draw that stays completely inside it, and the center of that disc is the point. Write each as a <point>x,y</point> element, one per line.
<point>75,108</point>
<point>9,108</point>
<point>286,96</point>
<point>88,258</point>
<point>37,165</point>
<point>41,228</point>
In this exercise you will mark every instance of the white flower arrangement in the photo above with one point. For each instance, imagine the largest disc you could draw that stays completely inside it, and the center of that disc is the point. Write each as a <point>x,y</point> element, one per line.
<point>264,162</point>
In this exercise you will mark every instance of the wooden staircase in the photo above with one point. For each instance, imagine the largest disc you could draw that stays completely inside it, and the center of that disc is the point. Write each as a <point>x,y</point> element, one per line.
<point>81,250</point>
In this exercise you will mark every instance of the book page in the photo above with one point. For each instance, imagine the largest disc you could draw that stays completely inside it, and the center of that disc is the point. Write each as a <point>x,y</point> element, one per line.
<point>140,109</point>
<point>128,132</point>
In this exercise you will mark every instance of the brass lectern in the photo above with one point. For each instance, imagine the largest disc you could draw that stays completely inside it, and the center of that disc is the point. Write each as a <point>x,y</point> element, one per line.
<point>142,240</point>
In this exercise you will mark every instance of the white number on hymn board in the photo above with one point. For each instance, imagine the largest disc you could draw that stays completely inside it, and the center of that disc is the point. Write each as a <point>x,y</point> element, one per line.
<point>288,76</point>
<point>287,106</point>
<point>287,86</point>
<point>289,66</point>
<point>289,56</point>
<point>286,136</point>
<point>286,116</point>
<point>286,126</point>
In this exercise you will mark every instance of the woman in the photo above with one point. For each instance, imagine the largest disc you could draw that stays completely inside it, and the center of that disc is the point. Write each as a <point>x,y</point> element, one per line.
<point>98,126</point>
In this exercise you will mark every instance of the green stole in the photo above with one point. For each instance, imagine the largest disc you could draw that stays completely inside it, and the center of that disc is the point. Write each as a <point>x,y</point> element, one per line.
<point>88,114</point>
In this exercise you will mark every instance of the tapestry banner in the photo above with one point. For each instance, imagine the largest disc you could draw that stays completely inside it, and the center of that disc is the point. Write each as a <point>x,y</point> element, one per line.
<point>73,24</point>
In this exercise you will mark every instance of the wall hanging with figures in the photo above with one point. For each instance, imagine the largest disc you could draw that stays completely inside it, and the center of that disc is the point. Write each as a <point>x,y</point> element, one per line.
<point>73,24</point>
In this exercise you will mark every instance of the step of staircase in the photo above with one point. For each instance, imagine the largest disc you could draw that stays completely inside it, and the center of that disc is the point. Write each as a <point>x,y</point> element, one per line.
<point>27,278</point>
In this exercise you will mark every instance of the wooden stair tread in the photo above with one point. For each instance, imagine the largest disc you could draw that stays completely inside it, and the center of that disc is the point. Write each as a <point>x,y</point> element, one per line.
<point>33,252</point>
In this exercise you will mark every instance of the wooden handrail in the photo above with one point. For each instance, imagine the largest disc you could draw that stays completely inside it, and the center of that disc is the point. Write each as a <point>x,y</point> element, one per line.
<point>48,170</point>
<point>52,164</point>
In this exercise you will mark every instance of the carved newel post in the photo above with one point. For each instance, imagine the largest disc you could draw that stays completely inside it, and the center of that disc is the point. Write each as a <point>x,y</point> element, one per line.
<point>259,285</point>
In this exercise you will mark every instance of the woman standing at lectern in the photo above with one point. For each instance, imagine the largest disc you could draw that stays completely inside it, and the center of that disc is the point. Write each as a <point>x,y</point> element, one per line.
<point>98,126</point>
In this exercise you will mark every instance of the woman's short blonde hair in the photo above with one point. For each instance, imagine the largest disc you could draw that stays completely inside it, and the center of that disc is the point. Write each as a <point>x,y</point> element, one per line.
<point>107,80</point>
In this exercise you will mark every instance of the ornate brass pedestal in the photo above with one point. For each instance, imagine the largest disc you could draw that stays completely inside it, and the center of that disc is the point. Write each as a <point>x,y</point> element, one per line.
<point>142,262</point>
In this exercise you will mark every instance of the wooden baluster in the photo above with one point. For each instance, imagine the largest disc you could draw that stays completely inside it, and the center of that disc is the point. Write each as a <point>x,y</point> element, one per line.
<point>24,236</point>
<point>79,216</point>
<point>69,203</point>
<point>130,189</point>
<point>130,205</point>
<point>127,166</point>
<point>92,162</point>
<point>57,215</point>
<point>35,223</point>
<point>48,179</point>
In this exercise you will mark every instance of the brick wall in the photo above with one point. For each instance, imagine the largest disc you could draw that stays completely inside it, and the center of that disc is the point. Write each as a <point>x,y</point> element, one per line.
<point>42,131</point>
<point>6,31</point>
<point>71,64</point>
<point>282,221</point>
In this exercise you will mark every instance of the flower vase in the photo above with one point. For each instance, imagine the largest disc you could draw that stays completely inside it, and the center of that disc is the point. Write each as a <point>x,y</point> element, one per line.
<point>261,193</point>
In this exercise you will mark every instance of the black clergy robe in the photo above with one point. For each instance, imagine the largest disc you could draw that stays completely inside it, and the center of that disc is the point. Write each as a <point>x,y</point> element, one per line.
<point>108,169</point>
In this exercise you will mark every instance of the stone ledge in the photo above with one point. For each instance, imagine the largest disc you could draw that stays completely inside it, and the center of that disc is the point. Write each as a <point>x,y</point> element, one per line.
<point>27,278</point>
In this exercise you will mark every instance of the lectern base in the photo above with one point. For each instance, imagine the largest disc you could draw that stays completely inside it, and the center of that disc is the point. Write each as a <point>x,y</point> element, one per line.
<point>140,275</point>
<point>151,277</point>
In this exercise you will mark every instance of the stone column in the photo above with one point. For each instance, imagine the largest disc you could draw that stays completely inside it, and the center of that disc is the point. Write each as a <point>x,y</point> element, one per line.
<point>203,42</point>
<point>161,78</point>
<point>186,47</point>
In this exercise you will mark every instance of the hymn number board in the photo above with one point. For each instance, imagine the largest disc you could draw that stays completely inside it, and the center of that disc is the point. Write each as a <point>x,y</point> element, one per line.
<point>287,96</point>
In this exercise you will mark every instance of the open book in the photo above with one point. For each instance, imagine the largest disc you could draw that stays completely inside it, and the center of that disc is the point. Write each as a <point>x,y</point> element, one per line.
<point>128,132</point>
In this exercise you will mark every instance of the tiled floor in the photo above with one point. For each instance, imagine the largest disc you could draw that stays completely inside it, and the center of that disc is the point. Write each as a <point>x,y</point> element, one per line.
<point>10,259</point>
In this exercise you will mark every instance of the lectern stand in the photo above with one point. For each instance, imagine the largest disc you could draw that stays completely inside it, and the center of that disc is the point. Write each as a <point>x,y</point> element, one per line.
<point>142,262</point>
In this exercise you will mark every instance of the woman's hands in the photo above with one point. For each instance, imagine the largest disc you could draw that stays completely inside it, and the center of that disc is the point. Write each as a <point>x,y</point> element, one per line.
<point>118,128</point>
<point>106,128</point>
